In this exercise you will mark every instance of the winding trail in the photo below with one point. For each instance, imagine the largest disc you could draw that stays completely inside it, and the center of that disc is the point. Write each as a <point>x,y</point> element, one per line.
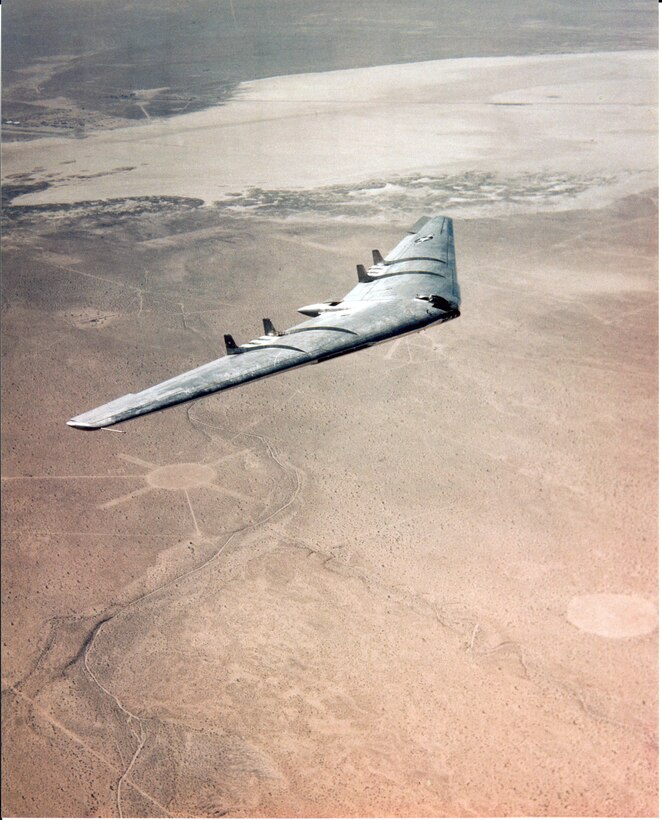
<point>60,727</point>
<point>131,717</point>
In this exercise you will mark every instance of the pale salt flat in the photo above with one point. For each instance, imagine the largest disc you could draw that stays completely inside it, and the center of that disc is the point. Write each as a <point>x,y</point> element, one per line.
<point>573,113</point>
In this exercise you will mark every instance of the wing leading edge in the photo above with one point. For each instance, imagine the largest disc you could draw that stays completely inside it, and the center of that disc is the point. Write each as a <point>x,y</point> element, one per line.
<point>414,286</point>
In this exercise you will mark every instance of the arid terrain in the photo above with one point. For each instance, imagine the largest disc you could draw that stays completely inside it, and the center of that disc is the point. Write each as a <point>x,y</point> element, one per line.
<point>420,580</point>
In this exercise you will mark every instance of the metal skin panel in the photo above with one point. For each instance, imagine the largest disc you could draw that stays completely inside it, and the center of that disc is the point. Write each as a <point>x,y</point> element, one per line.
<point>392,304</point>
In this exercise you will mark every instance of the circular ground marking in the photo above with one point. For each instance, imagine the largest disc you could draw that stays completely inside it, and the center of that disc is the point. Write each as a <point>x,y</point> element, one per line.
<point>180,476</point>
<point>612,616</point>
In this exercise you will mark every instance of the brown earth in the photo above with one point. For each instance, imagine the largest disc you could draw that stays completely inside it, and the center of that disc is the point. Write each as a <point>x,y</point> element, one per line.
<point>356,589</point>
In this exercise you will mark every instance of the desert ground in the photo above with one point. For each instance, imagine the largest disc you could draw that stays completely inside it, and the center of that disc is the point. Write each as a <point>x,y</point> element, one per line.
<point>420,580</point>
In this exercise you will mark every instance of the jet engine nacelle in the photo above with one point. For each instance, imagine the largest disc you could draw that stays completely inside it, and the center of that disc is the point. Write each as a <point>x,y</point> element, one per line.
<point>319,307</point>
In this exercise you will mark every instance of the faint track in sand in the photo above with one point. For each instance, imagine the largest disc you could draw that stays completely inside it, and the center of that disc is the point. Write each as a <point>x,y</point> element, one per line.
<point>129,715</point>
<point>141,736</point>
<point>60,727</point>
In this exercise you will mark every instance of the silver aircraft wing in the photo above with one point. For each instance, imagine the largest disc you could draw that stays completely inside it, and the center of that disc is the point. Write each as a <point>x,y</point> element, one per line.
<point>414,286</point>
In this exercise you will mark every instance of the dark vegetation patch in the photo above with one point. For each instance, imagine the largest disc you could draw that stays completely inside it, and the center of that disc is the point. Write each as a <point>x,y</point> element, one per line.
<point>425,193</point>
<point>98,214</point>
<point>11,190</point>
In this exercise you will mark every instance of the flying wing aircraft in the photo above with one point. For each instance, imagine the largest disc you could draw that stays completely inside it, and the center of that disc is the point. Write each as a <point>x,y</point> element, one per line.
<point>411,288</point>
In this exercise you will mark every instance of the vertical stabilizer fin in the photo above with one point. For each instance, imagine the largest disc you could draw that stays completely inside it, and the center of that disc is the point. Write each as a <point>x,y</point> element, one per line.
<point>377,258</point>
<point>269,329</point>
<point>363,274</point>
<point>231,347</point>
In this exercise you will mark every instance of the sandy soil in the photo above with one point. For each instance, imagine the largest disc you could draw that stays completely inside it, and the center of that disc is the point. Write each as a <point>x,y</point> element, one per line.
<point>417,581</point>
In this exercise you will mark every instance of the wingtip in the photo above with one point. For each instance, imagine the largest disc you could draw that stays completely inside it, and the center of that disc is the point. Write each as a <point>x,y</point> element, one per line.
<point>82,425</point>
<point>79,423</point>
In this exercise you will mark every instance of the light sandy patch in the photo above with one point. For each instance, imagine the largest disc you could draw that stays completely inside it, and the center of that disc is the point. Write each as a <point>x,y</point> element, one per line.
<point>613,616</point>
<point>577,113</point>
<point>54,258</point>
<point>147,94</point>
<point>56,102</point>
